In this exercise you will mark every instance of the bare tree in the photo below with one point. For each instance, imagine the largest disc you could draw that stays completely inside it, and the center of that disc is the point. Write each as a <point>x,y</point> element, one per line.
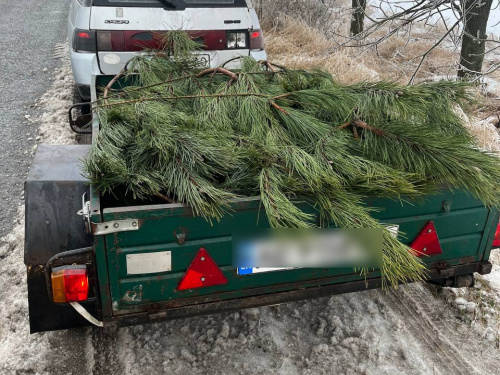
<point>358,17</point>
<point>475,14</point>
<point>466,30</point>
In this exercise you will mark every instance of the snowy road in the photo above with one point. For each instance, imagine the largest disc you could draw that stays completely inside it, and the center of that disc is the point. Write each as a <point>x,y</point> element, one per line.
<point>410,331</point>
<point>29,31</point>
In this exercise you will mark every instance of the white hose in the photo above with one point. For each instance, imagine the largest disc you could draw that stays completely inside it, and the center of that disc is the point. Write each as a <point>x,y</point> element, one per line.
<point>81,310</point>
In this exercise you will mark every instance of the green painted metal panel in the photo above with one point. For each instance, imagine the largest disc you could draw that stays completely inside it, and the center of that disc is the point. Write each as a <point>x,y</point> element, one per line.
<point>489,236</point>
<point>461,231</point>
<point>163,288</point>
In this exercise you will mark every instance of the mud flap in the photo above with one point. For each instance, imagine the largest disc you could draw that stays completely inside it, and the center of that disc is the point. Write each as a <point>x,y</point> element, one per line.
<point>46,315</point>
<point>53,191</point>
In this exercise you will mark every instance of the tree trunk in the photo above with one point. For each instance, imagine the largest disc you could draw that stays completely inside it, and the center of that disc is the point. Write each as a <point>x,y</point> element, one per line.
<point>358,17</point>
<point>473,40</point>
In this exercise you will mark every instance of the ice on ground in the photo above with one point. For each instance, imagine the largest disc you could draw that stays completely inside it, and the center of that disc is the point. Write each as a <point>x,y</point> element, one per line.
<point>479,307</point>
<point>20,352</point>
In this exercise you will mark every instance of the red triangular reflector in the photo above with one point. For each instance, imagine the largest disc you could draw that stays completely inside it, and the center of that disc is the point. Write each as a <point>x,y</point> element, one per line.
<point>202,272</point>
<point>427,241</point>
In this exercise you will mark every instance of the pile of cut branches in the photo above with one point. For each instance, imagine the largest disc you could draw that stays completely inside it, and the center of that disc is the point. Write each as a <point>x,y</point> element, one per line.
<point>206,136</point>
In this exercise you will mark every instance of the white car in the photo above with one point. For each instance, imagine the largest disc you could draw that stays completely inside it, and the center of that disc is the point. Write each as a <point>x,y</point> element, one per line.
<point>105,34</point>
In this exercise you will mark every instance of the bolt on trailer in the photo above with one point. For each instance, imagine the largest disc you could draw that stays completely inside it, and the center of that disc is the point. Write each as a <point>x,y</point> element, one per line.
<point>112,262</point>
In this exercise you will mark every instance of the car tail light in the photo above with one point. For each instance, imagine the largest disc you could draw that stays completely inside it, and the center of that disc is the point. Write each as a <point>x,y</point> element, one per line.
<point>111,41</point>
<point>213,40</point>
<point>256,39</point>
<point>236,39</point>
<point>70,284</point>
<point>496,240</point>
<point>84,41</point>
<point>202,272</point>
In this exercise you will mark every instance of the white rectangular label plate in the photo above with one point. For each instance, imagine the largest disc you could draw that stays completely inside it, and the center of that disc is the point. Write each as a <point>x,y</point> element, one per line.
<point>146,263</point>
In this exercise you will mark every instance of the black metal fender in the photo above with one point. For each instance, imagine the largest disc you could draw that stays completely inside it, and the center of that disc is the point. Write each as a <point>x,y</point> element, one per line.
<point>53,191</point>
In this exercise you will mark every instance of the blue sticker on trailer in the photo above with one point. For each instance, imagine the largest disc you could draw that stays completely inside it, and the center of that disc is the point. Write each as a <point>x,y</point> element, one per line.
<point>245,270</point>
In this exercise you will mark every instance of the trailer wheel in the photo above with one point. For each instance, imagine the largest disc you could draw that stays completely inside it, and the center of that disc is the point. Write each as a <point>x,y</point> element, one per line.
<point>460,281</point>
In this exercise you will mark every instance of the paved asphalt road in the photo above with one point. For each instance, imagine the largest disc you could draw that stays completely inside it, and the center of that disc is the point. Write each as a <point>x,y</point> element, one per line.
<point>29,30</point>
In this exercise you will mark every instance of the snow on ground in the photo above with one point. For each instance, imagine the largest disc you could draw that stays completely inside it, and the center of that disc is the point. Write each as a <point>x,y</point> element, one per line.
<point>20,352</point>
<point>54,104</point>
<point>479,307</point>
<point>409,331</point>
<point>363,333</point>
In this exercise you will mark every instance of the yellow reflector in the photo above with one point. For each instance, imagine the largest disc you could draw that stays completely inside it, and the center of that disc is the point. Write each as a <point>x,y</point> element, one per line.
<point>58,292</point>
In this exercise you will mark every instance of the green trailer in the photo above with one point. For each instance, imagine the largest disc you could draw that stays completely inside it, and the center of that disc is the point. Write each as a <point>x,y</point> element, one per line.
<point>149,261</point>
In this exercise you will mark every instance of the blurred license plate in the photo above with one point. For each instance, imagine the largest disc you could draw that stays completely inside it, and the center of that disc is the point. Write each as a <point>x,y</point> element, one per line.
<point>203,60</point>
<point>290,249</point>
<point>254,270</point>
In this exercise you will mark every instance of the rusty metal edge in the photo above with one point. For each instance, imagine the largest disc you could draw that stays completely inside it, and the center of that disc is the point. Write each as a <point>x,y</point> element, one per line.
<point>218,305</point>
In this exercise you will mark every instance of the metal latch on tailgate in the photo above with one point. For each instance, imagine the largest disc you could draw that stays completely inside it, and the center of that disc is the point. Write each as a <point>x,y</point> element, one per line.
<point>108,227</point>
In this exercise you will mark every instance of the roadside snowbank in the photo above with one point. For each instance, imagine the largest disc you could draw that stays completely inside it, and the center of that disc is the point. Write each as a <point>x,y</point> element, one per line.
<point>54,104</point>
<point>20,352</point>
<point>479,307</point>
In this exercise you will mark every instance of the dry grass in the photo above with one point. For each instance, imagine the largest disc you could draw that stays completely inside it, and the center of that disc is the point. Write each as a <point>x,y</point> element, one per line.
<point>486,133</point>
<point>330,17</point>
<point>300,46</point>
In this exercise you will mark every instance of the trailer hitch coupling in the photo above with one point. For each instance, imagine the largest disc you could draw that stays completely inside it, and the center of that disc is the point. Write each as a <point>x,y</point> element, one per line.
<point>80,118</point>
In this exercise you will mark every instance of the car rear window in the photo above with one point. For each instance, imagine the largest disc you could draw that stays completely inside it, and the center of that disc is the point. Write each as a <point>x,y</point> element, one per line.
<point>181,3</point>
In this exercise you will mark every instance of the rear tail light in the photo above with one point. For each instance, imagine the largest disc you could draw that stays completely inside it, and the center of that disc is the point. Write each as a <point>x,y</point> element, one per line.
<point>70,284</point>
<point>496,240</point>
<point>256,39</point>
<point>104,41</point>
<point>84,41</point>
<point>127,41</point>
<point>236,39</point>
<point>110,41</point>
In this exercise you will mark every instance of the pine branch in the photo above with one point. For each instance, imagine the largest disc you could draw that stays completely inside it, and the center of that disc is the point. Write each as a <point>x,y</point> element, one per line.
<point>204,137</point>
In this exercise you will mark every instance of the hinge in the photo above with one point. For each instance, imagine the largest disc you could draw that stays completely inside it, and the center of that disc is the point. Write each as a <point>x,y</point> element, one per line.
<point>85,213</point>
<point>99,229</point>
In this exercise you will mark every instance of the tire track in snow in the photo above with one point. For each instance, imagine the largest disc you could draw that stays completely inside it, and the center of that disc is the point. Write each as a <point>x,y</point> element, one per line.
<point>445,355</point>
<point>108,355</point>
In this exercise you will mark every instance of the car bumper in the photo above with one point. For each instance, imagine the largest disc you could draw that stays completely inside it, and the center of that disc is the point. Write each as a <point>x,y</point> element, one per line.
<point>258,55</point>
<point>114,62</point>
<point>84,65</point>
